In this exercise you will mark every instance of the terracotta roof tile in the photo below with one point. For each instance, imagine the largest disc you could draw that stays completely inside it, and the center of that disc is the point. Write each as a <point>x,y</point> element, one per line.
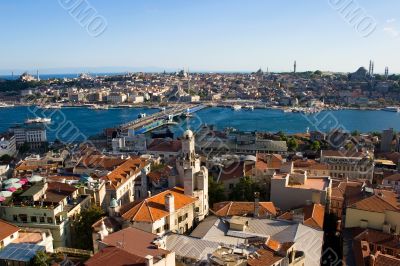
<point>153,208</point>
<point>235,208</point>
<point>123,172</point>
<point>164,145</point>
<point>7,229</point>
<point>314,216</point>
<point>115,256</point>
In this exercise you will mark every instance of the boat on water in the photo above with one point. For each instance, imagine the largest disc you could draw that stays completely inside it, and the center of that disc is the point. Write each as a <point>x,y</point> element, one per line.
<point>99,107</point>
<point>38,120</point>
<point>236,107</point>
<point>142,115</point>
<point>51,106</point>
<point>6,105</point>
<point>249,107</point>
<point>391,109</point>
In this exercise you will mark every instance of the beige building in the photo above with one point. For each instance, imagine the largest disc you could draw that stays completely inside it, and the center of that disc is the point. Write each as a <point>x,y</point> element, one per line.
<point>127,182</point>
<point>296,189</point>
<point>349,164</point>
<point>379,211</point>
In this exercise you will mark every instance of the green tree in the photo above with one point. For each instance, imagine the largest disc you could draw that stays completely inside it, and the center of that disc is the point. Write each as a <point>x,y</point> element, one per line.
<point>216,192</point>
<point>292,144</point>
<point>315,146</point>
<point>244,190</point>
<point>41,259</point>
<point>355,133</point>
<point>82,227</point>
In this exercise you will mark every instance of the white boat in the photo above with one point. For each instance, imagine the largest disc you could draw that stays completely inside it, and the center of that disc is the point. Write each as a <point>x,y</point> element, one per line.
<point>141,115</point>
<point>236,107</point>
<point>249,107</point>
<point>51,106</point>
<point>6,105</point>
<point>391,109</point>
<point>99,107</point>
<point>38,120</point>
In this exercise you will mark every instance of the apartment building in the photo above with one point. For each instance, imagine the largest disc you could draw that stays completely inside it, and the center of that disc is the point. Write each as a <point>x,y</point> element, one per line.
<point>349,164</point>
<point>49,206</point>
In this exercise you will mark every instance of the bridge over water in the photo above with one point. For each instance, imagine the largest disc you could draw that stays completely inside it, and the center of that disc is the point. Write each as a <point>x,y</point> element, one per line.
<point>164,117</point>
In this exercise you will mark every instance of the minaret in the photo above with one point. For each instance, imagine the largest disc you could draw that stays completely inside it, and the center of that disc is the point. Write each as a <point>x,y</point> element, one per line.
<point>294,67</point>
<point>386,72</point>
<point>370,68</point>
<point>37,75</point>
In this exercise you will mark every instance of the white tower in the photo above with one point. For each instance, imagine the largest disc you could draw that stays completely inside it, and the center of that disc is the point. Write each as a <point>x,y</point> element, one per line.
<point>193,177</point>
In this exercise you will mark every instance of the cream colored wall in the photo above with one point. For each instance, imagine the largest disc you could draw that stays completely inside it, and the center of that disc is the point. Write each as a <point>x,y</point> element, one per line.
<point>354,217</point>
<point>393,218</point>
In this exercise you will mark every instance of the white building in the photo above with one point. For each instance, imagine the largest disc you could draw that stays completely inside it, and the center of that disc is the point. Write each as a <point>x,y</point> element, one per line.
<point>8,145</point>
<point>116,97</point>
<point>34,135</point>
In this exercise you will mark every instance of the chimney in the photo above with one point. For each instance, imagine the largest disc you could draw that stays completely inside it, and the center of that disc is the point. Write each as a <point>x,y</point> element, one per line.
<point>149,260</point>
<point>256,203</point>
<point>149,194</point>
<point>170,203</point>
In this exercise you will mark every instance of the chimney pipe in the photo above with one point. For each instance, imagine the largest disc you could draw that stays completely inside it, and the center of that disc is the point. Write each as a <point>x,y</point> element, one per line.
<point>256,203</point>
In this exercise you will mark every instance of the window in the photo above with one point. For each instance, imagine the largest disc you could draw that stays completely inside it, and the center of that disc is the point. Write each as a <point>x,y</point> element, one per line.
<point>166,227</point>
<point>23,218</point>
<point>41,219</point>
<point>15,218</point>
<point>33,219</point>
<point>49,220</point>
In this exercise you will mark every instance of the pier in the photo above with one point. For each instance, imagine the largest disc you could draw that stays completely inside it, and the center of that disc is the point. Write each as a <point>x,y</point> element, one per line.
<point>162,118</point>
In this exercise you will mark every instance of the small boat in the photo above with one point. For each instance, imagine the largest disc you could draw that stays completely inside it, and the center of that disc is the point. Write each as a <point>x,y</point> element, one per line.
<point>99,107</point>
<point>141,115</point>
<point>38,120</point>
<point>391,109</point>
<point>236,107</point>
<point>249,107</point>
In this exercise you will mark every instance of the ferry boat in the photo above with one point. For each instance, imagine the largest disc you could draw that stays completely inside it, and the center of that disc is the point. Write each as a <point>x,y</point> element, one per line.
<point>6,105</point>
<point>236,107</point>
<point>249,107</point>
<point>41,120</point>
<point>391,109</point>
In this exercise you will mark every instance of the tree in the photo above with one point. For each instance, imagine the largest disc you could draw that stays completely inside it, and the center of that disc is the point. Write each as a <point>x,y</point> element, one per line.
<point>355,133</point>
<point>292,144</point>
<point>216,192</point>
<point>244,190</point>
<point>82,227</point>
<point>315,146</point>
<point>41,259</point>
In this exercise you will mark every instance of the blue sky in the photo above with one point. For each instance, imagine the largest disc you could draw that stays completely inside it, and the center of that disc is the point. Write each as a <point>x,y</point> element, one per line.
<point>202,35</point>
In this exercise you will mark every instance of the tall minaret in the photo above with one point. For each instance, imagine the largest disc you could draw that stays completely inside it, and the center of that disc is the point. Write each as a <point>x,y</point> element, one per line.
<point>386,72</point>
<point>370,68</point>
<point>37,75</point>
<point>294,67</point>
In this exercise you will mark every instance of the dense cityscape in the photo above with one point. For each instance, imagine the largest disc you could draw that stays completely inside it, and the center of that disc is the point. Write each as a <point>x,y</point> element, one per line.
<point>199,133</point>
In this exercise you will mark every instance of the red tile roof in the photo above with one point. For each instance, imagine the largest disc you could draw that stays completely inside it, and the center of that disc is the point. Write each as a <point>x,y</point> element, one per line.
<point>153,208</point>
<point>165,145</point>
<point>116,257</point>
<point>7,229</point>
<point>123,172</point>
<point>314,215</point>
<point>136,242</point>
<point>235,208</point>
<point>375,203</point>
